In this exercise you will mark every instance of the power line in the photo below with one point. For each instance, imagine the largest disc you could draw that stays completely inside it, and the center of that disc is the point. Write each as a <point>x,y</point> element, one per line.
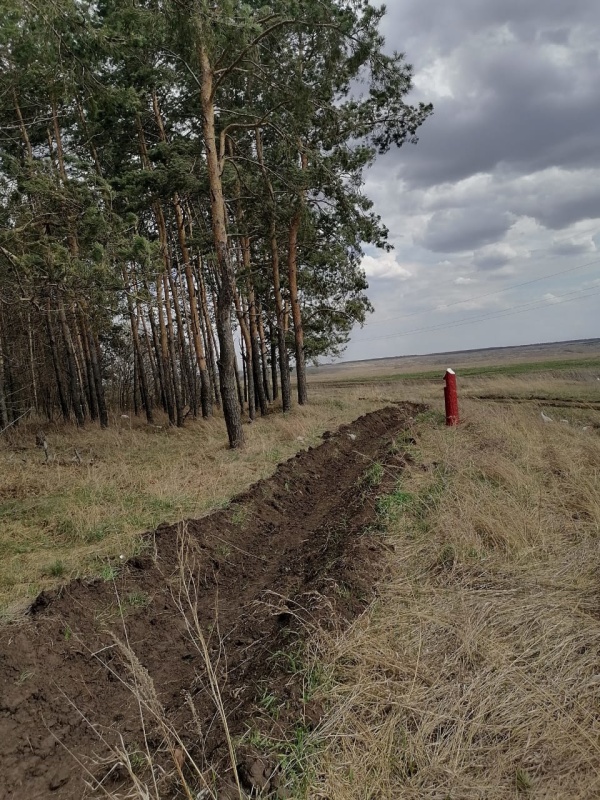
<point>487,294</point>
<point>520,309</point>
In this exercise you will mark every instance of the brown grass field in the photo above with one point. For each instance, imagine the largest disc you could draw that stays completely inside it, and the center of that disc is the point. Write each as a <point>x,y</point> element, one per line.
<point>476,671</point>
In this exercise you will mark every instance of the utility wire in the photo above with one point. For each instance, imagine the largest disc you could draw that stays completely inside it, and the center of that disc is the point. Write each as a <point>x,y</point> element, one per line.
<point>520,309</point>
<point>487,294</point>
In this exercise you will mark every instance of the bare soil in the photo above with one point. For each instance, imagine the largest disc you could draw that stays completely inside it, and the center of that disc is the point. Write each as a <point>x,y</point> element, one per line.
<point>296,549</point>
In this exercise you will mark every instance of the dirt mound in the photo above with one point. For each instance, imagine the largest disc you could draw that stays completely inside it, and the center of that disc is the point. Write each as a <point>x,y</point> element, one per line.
<point>285,551</point>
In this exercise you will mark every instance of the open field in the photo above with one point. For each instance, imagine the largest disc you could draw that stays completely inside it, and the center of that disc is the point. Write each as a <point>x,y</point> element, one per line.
<point>408,611</point>
<point>524,360</point>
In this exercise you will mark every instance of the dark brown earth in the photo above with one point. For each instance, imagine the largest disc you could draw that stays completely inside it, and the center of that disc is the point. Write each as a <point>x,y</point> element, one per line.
<point>294,551</point>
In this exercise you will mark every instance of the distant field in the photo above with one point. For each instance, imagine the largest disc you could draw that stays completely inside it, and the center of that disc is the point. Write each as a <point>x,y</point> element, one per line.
<point>553,357</point>
<point>490,369</point>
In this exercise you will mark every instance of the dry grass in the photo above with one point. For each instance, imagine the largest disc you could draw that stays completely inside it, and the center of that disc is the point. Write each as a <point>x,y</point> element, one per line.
<point>476,673</point>
<point>582,386</point>
<point>146,777</point>
<point>62,519</point>
<point>576,392</point>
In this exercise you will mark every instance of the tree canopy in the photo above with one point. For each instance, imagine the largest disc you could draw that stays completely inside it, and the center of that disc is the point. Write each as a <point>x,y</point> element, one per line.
<point>181,211</point>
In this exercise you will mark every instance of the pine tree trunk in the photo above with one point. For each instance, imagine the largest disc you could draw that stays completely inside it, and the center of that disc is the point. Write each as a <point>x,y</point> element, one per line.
<point>253,332</point>
<point>136,385</point>
<point>295,303</point>
<point>212,347</point>
<point>263,353</point>
<point>163,377</point>
<point>246,355</point>
<point>173,355</point>
<point>3,406</point>
<point>244,373</point>
<point>137,354</point>
<point>188,330</point>
<point>231,406</point>
<point>163,355</point>
<point>62,395</point>
<point>34,383</point>
<point>74,387</point>
<point>183,350</point>
<point>169,364</point>
<point>83,367</point>
<point>258,377</point>
<point>96,355</point>
<point>11,390</point>
<point>205,388</point>
<point>286,391</point>
<point>150,346</point>
<point>238,383</point>
<point>273,339</point>
<point>87,361</point>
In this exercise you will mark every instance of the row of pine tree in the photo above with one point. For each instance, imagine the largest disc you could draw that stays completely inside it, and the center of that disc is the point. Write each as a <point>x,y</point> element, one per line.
<point>181,210</point>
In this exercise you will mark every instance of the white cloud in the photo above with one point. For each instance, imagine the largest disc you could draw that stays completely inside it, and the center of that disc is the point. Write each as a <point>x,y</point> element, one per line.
<point>551,298</point>
<point>494,256</point>
<point>573,244</point>
<point>385,266</point>
<point>435,80</point>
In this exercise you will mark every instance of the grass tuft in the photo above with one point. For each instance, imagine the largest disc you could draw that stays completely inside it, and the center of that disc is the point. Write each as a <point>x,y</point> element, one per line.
<point>57,569</point>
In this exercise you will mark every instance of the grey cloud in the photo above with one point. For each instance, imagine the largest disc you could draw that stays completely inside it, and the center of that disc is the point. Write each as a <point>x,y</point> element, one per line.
<point>555,198</point>
<point>524,114</point>
<point>571,248</point>
<point>426,24</point>
<point>523,103</point>
<point>491,260</point>
<point>555,36</point>
<point>558,212</point>
<point>457,229</point>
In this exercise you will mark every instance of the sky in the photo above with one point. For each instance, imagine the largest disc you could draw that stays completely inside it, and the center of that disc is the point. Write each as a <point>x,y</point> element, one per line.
<point>495,214</point>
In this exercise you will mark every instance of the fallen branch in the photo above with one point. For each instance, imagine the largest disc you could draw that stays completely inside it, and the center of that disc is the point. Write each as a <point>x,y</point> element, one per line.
<point>14,422</point>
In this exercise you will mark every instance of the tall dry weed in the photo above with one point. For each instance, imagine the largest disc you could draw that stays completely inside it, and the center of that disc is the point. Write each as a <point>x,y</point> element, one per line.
<point>477,672</point>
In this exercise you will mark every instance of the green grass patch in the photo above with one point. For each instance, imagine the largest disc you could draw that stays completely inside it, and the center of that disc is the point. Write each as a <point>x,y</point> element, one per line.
<point>373,476</point>
<point>240,516</point>
<point>57,569</point>
<point>109,572</point>
<point>294,754</point>
<point>390,506</point>
<point>85,515</point>
<point>432,417</point>
<point>137,599</point>
<point>292,746</point>
<point>482,371</point>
